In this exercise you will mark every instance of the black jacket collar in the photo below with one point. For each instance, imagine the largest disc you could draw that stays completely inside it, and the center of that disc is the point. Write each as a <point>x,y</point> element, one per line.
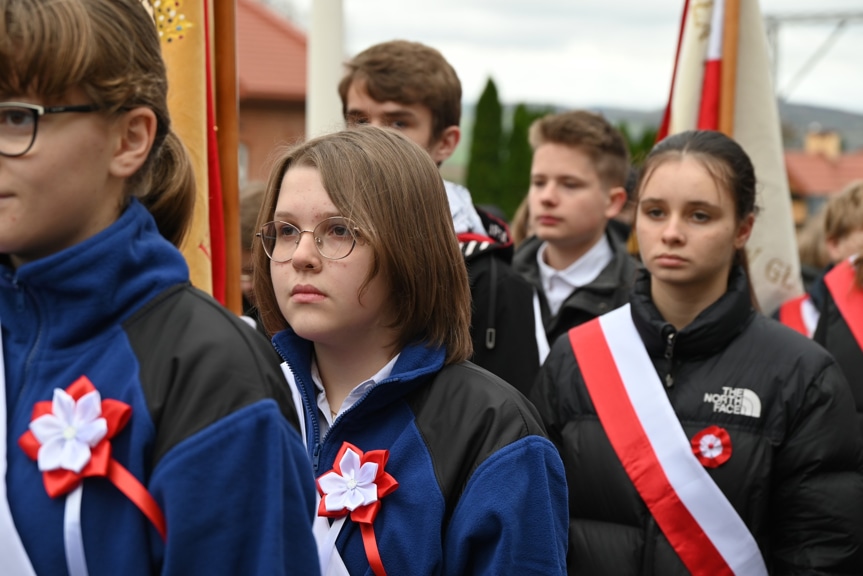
<point>712,329</point>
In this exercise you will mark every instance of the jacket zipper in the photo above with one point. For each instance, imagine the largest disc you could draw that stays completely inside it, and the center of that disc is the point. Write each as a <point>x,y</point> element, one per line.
<point>20,304</point>
<point>316,457</point>
<point>669,354</point>
<point>648,556</point>
<point>319,442</point>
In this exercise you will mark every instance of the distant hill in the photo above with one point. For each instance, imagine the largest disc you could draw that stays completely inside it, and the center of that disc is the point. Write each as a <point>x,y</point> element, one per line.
<point>797,119</point>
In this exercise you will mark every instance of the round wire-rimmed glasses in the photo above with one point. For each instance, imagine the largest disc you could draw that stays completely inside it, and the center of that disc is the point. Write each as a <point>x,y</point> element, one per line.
<point>19,122</point>
<point>334,238</point>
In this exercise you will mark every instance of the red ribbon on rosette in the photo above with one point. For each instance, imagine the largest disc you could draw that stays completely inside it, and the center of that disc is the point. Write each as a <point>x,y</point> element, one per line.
<point>712,446</point>
<point>356,485</point>
<point>78,419</point>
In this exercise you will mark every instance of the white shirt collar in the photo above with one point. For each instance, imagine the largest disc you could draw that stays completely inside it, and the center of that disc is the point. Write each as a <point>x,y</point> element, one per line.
<point>352,398</point>
<point>557,285</point>
<point>464,215</point>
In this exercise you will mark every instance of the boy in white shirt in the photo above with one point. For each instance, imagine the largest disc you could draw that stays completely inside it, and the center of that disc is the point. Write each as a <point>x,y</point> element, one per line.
<point>580,270</point>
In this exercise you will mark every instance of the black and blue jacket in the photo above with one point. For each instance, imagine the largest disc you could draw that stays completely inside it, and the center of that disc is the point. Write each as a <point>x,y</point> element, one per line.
<point>209,435</point>
<point>481,489</point>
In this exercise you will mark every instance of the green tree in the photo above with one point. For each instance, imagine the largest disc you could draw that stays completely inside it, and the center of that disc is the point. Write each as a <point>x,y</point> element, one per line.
<point>484,165</point>
<point>516,168</point>
<point>639,145</point>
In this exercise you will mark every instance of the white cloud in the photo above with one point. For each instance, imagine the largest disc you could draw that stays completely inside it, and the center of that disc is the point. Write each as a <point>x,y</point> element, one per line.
<point>595,52</point>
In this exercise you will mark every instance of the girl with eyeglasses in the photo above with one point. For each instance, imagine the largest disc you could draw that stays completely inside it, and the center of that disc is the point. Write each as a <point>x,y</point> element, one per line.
<point>144,429</point>
<point>699,436</point>
<point>426,463</point>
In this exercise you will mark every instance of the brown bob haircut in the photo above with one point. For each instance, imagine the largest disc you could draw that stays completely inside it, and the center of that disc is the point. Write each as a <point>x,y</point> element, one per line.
<point>408,73</point>
<point>392,189</point>
<point>590,133</point>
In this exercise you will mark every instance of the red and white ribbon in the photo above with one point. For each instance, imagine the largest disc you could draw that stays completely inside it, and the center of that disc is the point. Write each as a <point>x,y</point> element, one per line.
<point>69,438</point>
<point>712,446</point>
<point>355,487</point>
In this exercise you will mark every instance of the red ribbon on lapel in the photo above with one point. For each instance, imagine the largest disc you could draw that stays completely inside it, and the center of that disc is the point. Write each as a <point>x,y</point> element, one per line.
<point>60,481</point>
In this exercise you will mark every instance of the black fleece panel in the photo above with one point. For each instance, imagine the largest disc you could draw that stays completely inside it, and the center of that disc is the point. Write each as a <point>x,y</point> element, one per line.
<point>458,436</point>
<point>502,301</point>
<point>186,386</point>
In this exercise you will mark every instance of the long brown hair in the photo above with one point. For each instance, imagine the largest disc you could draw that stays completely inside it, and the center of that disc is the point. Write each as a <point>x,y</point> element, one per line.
<point>392,189</point>
<point>111,50</point>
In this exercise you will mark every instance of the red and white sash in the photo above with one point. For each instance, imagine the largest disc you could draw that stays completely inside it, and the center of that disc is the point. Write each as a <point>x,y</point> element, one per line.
<point>800,314</point>
<point>848,298</point>
<point>12,554</point>
<point>690,509</point>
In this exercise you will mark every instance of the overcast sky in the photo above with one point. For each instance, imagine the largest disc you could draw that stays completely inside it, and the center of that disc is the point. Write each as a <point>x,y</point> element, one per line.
<point>585,53</point>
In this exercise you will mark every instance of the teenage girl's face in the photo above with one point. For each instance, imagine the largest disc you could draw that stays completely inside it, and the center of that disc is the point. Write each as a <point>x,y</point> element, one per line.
<point>687,229</point>
<point>62,191</point>
<point>319,297</point>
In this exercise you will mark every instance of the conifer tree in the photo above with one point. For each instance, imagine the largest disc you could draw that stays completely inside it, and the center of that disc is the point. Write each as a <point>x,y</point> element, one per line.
<point>516,169</point>
<point>484,165</point>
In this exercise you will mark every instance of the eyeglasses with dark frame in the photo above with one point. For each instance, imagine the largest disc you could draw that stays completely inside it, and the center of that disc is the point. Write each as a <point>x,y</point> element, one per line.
<point>334,238</point>
<point>19,122</point>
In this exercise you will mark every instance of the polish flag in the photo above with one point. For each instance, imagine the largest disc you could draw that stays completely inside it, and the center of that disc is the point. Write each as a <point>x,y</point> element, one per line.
<point>713,89</point>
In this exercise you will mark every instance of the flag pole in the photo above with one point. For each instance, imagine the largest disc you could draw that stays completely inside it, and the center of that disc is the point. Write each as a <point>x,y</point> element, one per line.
<point>227,125</point>
<point>665,125</point>
<point>730,44</point>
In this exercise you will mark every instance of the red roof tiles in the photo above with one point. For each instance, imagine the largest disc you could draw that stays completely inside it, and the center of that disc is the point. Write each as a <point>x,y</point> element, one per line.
<point>271,55</point>
<point>816,175</point>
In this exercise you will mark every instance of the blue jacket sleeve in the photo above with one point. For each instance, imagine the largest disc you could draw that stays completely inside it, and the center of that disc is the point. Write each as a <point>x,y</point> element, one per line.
<point>238,498</point>
<point>512,517</point>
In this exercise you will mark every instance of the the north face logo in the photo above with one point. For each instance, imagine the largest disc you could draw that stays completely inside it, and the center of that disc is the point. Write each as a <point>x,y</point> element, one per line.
<point>735,401</point>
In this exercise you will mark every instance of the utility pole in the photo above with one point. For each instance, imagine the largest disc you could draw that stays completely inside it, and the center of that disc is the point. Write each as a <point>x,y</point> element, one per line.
<point>773,22</point>
<point>325,59</point>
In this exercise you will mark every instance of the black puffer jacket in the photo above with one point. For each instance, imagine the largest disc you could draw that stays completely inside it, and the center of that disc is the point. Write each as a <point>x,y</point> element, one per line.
<point>795,476</point>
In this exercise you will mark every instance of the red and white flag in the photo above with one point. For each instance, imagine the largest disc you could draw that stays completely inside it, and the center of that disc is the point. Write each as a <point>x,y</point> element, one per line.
<point>185,30</point>
<point>722,82</point>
